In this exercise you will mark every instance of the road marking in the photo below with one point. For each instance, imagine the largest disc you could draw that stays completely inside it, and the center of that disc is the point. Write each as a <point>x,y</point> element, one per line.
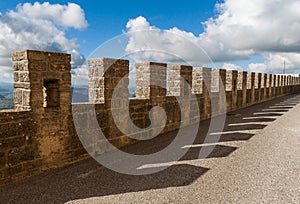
<point>249,123</point>
<point>259,117</point>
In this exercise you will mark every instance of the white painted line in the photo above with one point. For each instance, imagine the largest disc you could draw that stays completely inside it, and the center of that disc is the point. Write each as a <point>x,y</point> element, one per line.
<point>147,166</point>
<point>201,145</point>
<point>264,113</point>
<point>250,123</point>
<point>259,117</point>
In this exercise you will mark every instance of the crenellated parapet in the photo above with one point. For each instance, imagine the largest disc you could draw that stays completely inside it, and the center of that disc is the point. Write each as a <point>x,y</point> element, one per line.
<point>40,132</point>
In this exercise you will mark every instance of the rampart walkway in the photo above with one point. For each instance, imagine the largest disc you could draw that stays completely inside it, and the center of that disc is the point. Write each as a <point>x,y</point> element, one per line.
<point>256,160</point>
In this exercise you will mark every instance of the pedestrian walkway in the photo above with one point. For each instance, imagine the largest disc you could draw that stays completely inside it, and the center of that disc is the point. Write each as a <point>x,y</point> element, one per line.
<point>256,160</point>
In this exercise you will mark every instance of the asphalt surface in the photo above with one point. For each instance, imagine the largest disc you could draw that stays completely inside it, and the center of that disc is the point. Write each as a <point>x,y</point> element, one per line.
<point>256,160</point>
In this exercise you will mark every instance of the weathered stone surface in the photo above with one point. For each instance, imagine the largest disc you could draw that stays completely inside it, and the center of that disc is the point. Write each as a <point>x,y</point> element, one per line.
<point>20,65</point>
<point>38,135</point>
<point>240,80</point>
<point>229,78</point>
<point>197,83</point>
<point>2,159</point>
<point>18,155</point>
<point>249,80</point>
<point>179,80</point>
<point>256,80</point>
<point>151,80</point>
<point>215,80</point>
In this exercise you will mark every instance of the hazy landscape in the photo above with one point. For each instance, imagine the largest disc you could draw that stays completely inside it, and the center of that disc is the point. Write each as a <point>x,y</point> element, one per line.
<point>6,96</point>
<point>80,94</point>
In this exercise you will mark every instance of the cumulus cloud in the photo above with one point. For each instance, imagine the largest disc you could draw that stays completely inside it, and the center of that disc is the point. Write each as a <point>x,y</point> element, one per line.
<point>148,42</point>
<point>70,15</point>
<point>230,66</point>
<point>257,25</point>
<point>276,62</point>
<point>79,75</point>
<point>39,27</point>
<point>241,28</point>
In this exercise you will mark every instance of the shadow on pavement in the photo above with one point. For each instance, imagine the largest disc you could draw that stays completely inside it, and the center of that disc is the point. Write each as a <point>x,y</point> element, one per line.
<point>218,151</point>
<point>73,183</point>
<point>87,178</point>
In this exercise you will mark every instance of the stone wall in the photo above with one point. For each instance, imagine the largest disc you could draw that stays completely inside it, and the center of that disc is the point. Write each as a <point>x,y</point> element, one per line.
<point>40,133</point>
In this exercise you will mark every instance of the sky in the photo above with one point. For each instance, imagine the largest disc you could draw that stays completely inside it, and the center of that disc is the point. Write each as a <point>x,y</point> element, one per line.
<point>257,35</point>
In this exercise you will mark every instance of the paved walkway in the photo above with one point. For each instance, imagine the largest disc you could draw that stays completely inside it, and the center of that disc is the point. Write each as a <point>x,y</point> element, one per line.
<point>257,160</point>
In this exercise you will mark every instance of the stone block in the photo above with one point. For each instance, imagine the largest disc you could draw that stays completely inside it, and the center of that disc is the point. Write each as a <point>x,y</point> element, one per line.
<point>256,80</point>
<point>249,80</point>
<point>35,77</point>
<point>20,65</point>
<point>57,67</point>
<point>24,85</point>
<point>18,96</point>
<point>215,80</point>
<point>240,80</point>
<point>26,97</point>
<point>14,142</point>
<point>153,74</point>
<point>38,66</point>
<point>197,81</point>
<point>19,56</point>
<point>18,155</point>
<point>33,165</point>
<point>16,77</point>
<point>24,76</point>
<point>229,79</point>
<point>14,170</point>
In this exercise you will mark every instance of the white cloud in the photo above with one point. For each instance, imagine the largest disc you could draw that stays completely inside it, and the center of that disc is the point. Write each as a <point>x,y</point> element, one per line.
<point>79,75</point>
<point>241,28</point>
<point>230,66</point>
<point>70,15</point>
<point>258,67</point>
<point>39,27</point>
<point>255,26</point>
<point>275,63</point>
<point>147,42</point>
<point>138,24</point>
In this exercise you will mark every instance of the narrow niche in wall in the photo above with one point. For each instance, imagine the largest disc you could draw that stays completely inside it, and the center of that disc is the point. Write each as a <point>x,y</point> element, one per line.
<point>51,93</point>
<point>234,85</point>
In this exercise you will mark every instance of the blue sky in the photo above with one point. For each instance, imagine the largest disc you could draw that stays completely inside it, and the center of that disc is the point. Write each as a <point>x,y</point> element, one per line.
<point>107,19</point>
<point>257,35</point>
